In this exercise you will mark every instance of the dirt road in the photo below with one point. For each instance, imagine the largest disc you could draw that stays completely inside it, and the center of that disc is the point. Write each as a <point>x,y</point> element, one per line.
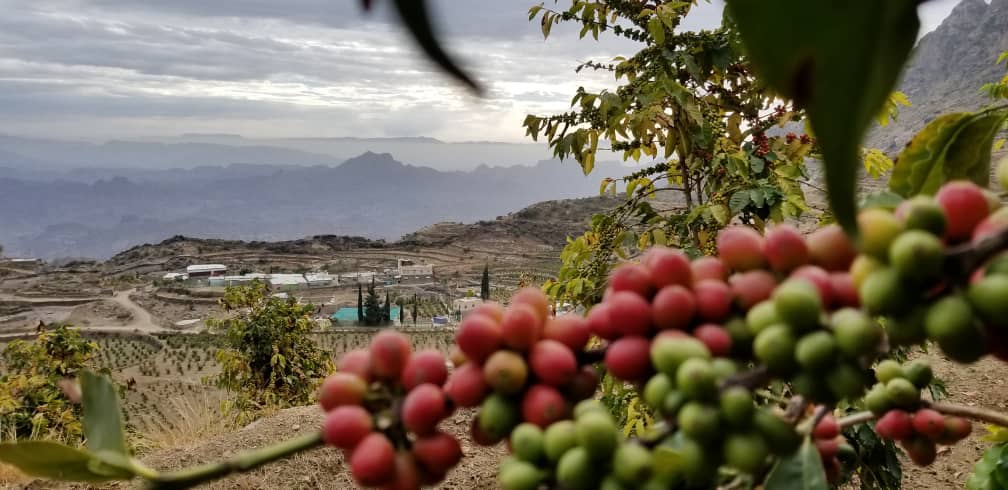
<point>140,320</point>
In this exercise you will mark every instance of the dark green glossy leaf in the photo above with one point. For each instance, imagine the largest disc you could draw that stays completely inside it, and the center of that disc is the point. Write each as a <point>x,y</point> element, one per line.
<point>803,470</point>
<point>102,418</point>
<point>415,16</point>
<point>983,476</point>
<point>999,474</point>
<point>839,61</point>
<point>738,201</point>
<point>952,146</point>
<point>56,461</point>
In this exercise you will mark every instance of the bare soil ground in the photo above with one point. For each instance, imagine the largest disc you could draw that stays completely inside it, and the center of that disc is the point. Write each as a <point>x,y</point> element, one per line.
<point>165,314</point>
<point>103,313</point>
<point>983,385</point>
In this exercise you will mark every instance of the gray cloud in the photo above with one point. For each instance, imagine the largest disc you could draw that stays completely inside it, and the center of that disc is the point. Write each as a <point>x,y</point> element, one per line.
<point>109,68</point>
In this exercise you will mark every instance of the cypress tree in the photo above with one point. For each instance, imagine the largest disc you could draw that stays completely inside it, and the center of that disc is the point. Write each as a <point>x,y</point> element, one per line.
<point>387,317</point>
<point>414,308</point>
<point>373,311</point>
<point>485,283</point>
<point>360,304</point>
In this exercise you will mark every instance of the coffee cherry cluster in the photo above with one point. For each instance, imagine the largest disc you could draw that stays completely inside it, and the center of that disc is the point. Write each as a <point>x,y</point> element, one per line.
<point>587,452</point>
<point>901,275</point>
<point>762,298</point>
<point>898,385</point>
<point>896,397</point>
<point>520,365</point>
<point>383,406</point>
<point>829,442</point>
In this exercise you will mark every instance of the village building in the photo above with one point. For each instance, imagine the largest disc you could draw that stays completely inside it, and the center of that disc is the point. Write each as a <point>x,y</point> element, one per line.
<point>206,270</point>
<point>465,304</point>
<point>406,268</point>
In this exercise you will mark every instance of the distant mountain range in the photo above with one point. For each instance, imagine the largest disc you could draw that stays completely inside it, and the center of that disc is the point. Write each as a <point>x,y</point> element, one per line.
<point>64,198</point>
<point>49,159</point>
<point>372,195</point>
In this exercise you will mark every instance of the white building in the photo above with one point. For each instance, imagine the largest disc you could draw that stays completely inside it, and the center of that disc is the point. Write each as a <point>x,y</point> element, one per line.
<point>206,270</point>
<point>225,281</point>
<point>287,280</point>
<point>320,279</point>
<point>356,277</point>
<point>175,276</point>
<point>466,304</point>
<point>407,268</point>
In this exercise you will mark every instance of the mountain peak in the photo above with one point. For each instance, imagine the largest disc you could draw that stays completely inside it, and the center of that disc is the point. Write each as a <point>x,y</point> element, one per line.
<point>372,159</point>
<point>949,66</point>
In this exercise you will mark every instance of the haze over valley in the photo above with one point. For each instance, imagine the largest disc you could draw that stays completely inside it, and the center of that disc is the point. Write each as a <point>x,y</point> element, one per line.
<point>71,192</point>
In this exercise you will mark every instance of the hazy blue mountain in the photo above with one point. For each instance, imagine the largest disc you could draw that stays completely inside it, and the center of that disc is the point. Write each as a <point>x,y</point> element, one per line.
<point>372,195</point>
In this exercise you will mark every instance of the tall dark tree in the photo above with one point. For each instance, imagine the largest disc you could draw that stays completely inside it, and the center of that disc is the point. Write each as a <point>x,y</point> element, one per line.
<point>374,313</point>
<point>360,304</point>
<point>387,315</point>
<point>485,283</point>
<point>402,315</point>
<point>414,308</point>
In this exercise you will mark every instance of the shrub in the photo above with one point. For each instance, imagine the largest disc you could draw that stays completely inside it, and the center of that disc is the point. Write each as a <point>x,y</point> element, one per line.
<point>269,358</point>
<point>32,403</point>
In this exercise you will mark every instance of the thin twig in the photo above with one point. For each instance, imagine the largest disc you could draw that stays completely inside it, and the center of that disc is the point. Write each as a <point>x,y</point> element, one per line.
<point>796,407</point>
<point>855,419</point>
<point>962,260</point>
<point>820,412</point>
<point>752,379</point>
<point>975,413</point>
<point>241,462</point>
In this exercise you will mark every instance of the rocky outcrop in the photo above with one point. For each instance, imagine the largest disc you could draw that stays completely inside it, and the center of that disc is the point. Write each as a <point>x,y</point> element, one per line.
<point>949,66</point>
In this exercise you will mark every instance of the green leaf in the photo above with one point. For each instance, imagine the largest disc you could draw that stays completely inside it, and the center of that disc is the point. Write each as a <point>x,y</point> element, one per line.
<point>534,10</point>
<point>996,434</point>
<point>883,199</point>
<point>657,30</point>
<point>877,163</point>
<point>605,183</point>
<point>739,201</point>
<point>102,418</point>
<point>547,24</point>
<point>659,237</point>
<point>416,18</point>
<point>587,162</point>
<point>952,146</point>
<point>801,471</point>
<point>840,62</point>
<point>56,461</point>
<point>720,213</point>
<point>982,477</point>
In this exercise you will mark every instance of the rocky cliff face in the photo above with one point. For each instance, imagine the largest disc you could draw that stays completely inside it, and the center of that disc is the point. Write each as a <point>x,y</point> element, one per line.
<point>948,68</point>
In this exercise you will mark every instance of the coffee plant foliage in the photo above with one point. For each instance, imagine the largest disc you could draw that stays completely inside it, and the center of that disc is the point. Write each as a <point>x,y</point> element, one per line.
<point>269,358</point>
<point>747,356</point>
<point>32,403</point>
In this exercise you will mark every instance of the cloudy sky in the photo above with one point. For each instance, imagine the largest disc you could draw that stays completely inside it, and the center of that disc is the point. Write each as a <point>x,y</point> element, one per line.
<point>98,69</point>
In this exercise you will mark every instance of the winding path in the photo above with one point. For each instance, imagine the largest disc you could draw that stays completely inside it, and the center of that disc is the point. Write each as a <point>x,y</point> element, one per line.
<point>141,320</point>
